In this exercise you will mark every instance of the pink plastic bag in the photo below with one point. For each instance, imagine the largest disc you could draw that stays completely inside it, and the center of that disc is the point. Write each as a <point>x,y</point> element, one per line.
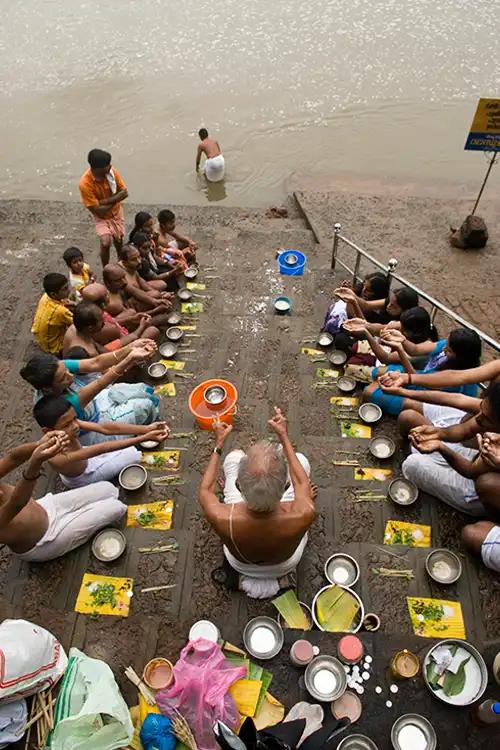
<point>202,678</point>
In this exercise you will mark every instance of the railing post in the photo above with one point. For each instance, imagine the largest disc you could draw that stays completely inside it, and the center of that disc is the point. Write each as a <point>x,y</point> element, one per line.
<point>336,231</point>
<point>356,270</point>
<point>391,267</point>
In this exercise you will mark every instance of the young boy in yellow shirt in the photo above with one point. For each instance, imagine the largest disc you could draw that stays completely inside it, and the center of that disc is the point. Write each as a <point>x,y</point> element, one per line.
<point>80,274</point>
<point>53,315</point>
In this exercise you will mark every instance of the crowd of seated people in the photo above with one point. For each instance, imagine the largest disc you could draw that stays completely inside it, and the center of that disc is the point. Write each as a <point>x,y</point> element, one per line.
<point>433,386</point>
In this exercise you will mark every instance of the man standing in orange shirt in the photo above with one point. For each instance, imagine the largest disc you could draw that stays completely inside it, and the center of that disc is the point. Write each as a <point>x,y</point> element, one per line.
<point>103,190</point>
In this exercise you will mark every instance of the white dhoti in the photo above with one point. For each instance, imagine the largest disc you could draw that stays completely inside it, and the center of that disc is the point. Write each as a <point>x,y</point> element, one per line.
<point>73,517</point>
<point>103,468</point>
<point>215,168</point>
<point>434,475</point>
<point>490,549</point>
<point>259,581</point>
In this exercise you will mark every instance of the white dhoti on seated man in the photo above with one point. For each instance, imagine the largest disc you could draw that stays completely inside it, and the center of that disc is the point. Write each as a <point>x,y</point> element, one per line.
<point>39,530</point>
<point>267,510</point>
<point>103,468</point>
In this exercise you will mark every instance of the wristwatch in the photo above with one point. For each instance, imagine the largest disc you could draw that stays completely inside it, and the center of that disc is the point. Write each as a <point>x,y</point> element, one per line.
<point>218,450</point>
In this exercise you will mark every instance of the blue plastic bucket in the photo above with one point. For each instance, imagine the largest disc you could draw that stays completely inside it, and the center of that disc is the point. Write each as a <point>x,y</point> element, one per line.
<point>295,269</point>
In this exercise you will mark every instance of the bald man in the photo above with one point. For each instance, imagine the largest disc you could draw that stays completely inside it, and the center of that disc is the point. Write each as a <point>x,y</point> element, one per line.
<point>121,305</point>
<point>113,331</point>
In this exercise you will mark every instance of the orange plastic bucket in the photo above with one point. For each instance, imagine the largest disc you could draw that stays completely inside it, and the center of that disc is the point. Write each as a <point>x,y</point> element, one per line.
<point>204,413</point>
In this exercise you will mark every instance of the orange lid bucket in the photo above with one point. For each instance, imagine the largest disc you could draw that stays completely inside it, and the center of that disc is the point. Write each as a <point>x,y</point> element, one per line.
<point>206,412</point>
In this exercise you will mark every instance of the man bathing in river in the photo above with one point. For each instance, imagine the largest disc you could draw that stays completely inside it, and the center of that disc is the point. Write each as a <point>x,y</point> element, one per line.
<point>79,466</point>
<point>215,166</point>
<point>103,190</point>
<point>268,507</point>
<point>39,530</point>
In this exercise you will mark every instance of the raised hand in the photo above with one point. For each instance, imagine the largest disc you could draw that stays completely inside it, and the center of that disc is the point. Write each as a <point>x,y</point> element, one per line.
<point>278,423</point>
<point>222,431</point>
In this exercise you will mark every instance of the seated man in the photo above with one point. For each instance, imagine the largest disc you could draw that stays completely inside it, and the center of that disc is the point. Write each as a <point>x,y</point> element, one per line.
<point>162,279</point>
<point>39,530</point>
<point>144,297</point>
<point>122,304</point>
<point>88,323</point>
<point>79,466</point>
<point>53,315</point>
<point>112,331</point>
<point>263,538</point>
<point>438,429</point>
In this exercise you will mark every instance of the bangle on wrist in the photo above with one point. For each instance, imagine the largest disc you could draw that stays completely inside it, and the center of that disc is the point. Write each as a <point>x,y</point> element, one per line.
<point>117,358</point>
<point>31,479</point>
<point>218,450</point>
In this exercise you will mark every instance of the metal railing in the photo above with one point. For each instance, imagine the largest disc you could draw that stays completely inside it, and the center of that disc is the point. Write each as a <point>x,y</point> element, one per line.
<point>389,271</point>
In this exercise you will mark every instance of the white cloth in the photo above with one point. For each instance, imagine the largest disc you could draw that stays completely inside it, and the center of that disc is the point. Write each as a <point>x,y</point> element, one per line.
<point>259,581</point>
<point>434,475</point>
<point>215,168</point>
<point>490,549</point>
<point>111,178</point>
<point>73,517</point>
<point>13,717</point>
<point>103,468</point>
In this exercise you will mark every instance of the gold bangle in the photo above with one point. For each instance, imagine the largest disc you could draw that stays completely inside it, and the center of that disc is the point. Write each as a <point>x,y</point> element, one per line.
<point>115,356</point>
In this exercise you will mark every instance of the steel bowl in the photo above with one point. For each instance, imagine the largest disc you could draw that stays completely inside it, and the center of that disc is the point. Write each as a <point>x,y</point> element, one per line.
<point>132,477</point>
<point>342,569</point>
<point>402,491</point>
<point>174,319</point>
<point>291,259</point>
<point>325,678</point>
<point>282,305</point>
<point>111,538</point>
<point>157,370</point>
<point>174,333</point>
<point>358,622</point>
<point>149,445</point>
<point>325,339</point>
<point>346,384</point>
<point>215,395</point>
<point>357,742</point>
<point>448,560</point>
<point>413,720</point>
<point>475,670</point>
<point>382,447</point>
<point>263,637</point>
<point>191,272</point>
<point>168,349</point>
<point>370,413</point>
<point>338,357</point>
<point>184,294</point>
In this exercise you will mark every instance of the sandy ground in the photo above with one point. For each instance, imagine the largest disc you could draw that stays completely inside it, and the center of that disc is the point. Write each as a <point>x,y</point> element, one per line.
<point>241,340</point>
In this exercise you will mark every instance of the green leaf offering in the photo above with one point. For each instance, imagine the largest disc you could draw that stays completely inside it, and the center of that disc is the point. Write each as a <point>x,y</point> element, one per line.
<point>291,611</point>
<point>454,683</point>
<point>433,675</point>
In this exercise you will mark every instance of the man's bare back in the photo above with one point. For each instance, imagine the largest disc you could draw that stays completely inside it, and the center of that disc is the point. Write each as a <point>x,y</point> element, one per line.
<point>27,527</point>
<point>210,148</point>
<point>267,538</point>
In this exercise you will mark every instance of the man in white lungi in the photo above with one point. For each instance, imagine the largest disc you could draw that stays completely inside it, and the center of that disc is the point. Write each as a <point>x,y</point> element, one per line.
<point>39,530</point>
<point>214,166</point>
<point>268,508</point>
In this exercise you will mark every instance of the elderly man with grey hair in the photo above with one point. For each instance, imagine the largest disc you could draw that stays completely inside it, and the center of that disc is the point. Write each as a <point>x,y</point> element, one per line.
<point>267,510</point>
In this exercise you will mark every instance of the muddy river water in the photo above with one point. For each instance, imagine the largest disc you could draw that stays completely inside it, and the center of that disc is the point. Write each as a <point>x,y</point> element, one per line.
<point>386,87</point>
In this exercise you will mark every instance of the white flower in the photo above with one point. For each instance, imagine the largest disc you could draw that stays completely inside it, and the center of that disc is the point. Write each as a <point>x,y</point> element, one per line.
<point>420,618</point>
<point>448,611</point>
<point>93,587</point>
<point>417,534</point>
<point>138,513</point>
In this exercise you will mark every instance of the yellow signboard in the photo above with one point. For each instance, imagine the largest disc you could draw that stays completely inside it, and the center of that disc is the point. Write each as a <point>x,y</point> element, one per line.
<point>485,129</point>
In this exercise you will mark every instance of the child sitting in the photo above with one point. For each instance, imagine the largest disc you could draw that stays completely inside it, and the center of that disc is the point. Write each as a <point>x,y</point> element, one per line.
<point>158,274</point>
<point>80,274</point>
<point>53,314</point>
<point>174,244</point>
<point>79,466</point>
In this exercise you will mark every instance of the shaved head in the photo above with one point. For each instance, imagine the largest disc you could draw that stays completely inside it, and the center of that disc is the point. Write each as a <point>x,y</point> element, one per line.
<point>262,476</point>
<point>113,276</point>
<point>96,293</point>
